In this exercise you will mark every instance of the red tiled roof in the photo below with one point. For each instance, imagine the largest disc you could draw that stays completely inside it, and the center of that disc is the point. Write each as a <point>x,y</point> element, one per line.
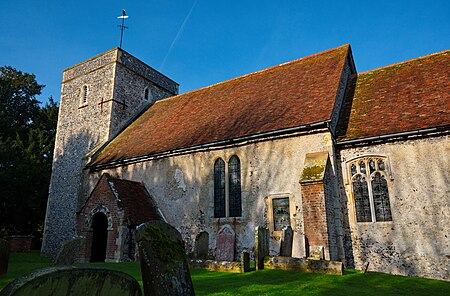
<point>407,96</point>
<point>135,201</point>
<point>293,94</point>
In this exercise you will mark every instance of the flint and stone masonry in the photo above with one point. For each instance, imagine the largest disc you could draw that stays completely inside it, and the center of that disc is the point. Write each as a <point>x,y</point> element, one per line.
<point>99,97</point>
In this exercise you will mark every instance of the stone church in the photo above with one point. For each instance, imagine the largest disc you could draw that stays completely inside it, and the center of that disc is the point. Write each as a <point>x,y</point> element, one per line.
<point>356,163</point>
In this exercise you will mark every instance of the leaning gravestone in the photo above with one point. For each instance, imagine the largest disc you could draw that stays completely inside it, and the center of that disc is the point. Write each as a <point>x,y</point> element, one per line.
<point>261,246</point>
<point>73,281</point>
<point>163,260</point>
<point>4,256</point>
<point>286,242</point>
<point>69,252</point>
<point>201,245</point>
<point>225,244</point>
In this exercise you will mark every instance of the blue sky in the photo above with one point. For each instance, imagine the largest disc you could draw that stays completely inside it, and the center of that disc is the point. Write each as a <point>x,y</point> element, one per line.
<point>220,39</point>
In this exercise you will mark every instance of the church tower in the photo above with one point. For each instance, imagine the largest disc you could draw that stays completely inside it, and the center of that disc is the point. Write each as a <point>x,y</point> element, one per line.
<point>99,97</point>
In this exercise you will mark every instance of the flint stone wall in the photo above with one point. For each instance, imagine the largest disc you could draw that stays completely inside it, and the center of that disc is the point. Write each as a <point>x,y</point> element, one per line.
<point>415,242</point>
<point>183,187</point>
<point>115,84</point>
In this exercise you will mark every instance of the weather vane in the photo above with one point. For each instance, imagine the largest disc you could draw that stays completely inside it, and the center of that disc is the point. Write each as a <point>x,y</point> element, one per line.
<point>122,27</point>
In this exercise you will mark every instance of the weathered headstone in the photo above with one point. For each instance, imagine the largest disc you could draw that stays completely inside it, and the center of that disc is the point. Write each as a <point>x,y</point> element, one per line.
<point>261,246</point>
<point>245,262</point>
<point>201,245</point>
<point>286,242</point>
<point>225,244</point>
<point>69,252</point>
<point>164,265</point>
<point>73,281</point>
<point>316,253</point>
<point>4,256</point>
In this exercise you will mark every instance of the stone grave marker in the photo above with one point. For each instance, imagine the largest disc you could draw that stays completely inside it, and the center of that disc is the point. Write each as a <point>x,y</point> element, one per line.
<point>245,262</point>
<point>164,265</point>
<point>286,242</point>
<point>201,245</point>
<point>4,256</point>
<point>73,281</point>
<point>261,246</point>
<point>316,253</point>
<point>225,244</point>
<point>69,252</point>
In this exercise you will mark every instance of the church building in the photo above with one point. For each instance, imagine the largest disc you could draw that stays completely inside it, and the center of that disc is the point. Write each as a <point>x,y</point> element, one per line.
<point>357,164</point>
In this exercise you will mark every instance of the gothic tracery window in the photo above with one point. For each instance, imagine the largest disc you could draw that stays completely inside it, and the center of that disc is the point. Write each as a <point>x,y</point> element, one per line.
<point>370,189</point>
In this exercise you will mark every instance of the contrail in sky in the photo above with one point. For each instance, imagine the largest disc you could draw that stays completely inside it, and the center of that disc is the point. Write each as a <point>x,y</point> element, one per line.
<point>178,35</point>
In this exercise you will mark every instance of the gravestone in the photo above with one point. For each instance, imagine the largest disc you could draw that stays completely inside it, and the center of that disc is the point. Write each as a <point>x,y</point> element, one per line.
<point>286,242</point>
<point>163,260</point>
<point>261,246</point>
<point>225,244</point>
<point>245,262</point>
<point>69,252</point>
<point>201,245</point>
<point>73,281</point>
<point>4,256</point>
<point>316,253</point>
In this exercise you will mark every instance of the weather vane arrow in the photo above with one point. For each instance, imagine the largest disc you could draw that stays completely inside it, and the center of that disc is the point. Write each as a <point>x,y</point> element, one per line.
<point>122,27</point>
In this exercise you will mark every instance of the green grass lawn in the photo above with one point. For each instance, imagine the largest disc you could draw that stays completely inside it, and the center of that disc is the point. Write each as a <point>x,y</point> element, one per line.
<point>267,282</point>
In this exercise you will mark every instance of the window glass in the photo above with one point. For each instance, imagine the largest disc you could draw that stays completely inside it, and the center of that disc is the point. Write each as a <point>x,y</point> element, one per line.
<point>362,201</point>
<point>234,173</point>
<point>281,216</point>
<point>381,198</point>
<point>371,197</point>
<point>219,188</point>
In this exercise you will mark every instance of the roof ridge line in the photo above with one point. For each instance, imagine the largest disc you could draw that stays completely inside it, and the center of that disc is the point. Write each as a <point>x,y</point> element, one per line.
<point>405,62</point>
<point>257,72</point>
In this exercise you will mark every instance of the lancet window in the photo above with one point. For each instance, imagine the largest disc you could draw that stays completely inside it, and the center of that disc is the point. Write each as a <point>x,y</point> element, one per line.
<point>227,191</point>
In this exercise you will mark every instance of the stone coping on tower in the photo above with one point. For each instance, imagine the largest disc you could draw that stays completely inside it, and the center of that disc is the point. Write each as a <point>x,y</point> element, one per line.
<point>118,55</point>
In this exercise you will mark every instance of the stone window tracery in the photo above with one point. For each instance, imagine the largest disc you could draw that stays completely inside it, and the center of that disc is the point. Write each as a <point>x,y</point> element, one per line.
<point>227,191</point>
<point>370,189</point>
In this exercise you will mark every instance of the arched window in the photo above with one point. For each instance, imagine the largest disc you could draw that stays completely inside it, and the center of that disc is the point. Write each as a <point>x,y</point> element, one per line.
<point>84,95</point>
<point>146,93</point>
<point>362,201</point>
<point>219,188</point>
<point>381,198</point>
<point>234,180</point>
<point>371,198</point>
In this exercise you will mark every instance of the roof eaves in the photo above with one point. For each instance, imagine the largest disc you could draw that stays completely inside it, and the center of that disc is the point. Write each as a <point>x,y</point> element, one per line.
<point>317,125</point>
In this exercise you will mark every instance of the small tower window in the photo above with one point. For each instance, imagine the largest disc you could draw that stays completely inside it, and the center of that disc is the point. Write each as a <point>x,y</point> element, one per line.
<point>146,93</point>
<point>84,95</point>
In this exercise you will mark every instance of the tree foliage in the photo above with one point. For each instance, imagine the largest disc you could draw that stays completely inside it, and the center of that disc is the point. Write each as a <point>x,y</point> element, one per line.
<point>27,135</point>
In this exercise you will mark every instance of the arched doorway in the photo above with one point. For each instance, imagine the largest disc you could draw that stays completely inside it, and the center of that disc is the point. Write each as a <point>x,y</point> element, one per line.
<point>99,237</point>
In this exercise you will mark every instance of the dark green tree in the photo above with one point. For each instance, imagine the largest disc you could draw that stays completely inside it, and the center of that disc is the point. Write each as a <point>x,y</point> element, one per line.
<point>27,135</point>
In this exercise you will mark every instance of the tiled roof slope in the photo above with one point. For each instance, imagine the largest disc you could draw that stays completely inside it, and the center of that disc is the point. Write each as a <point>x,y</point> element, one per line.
<point>293,94</point>
<point>407,96</point>
<point>134,199</point>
